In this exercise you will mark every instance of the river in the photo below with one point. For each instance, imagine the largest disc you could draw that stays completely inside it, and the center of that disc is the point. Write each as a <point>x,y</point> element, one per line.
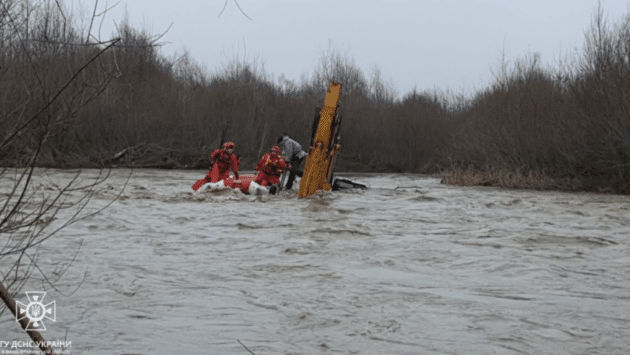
<point>409,266</point>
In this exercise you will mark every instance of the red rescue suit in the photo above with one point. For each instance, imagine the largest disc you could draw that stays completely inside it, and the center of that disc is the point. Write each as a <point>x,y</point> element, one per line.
<point>223,162</point>
<point>270,168</point>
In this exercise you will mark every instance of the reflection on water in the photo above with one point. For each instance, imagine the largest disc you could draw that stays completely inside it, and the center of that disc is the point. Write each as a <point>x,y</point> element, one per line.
<point>409,266</point>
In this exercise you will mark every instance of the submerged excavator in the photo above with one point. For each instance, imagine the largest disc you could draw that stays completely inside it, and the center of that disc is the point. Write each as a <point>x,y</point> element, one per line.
<point>318,171</point>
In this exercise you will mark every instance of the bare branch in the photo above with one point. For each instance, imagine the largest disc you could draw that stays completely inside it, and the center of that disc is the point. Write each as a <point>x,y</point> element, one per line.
<point>239,7</point>
<point>224,6</point>
<point>89,31</point>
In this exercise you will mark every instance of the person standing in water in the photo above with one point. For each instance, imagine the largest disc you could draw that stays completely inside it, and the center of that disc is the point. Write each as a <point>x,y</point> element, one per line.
<point>294,156</point>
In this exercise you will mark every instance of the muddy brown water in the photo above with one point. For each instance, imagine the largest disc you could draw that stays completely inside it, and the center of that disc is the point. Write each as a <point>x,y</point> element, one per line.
<point>409,266</point>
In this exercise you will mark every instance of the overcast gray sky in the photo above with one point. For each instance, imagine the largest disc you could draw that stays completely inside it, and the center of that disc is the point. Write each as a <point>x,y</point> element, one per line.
<point>428,44</point>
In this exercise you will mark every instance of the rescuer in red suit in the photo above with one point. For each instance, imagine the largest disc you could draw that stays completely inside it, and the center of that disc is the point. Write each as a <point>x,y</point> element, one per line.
<point>223,160</point>
<point>270,167</point>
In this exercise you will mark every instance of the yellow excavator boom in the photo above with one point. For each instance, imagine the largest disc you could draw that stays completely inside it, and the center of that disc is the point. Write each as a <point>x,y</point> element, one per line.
<point>324,146</point>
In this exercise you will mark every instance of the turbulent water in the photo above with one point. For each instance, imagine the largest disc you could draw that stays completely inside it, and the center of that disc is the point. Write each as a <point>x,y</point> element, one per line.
<point>409,266</point>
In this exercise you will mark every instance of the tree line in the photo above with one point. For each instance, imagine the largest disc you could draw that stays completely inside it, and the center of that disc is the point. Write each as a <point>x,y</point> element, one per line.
<point>566,126</point>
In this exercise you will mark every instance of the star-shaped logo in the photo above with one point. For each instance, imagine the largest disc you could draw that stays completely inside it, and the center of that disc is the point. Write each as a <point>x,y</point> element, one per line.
<point>36,311</point>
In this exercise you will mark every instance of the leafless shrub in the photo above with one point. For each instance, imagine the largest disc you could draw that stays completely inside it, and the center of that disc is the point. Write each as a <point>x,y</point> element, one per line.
<point>601,90</point>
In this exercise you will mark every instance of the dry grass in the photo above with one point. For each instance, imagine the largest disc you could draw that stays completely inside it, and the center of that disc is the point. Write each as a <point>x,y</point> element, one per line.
<point>510,179</point>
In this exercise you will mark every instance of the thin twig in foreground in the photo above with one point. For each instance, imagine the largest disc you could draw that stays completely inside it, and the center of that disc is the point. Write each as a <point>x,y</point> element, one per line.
<point>245,347</point>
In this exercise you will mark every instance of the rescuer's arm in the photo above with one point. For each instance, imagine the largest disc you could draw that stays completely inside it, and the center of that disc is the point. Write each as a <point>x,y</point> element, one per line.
<point>214,155</point>
<point>282,164</point>
<point>261,162</point>
<point>234,162</point>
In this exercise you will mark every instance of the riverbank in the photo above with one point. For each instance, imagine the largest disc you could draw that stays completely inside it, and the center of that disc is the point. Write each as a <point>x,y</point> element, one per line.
<point>517,179</point>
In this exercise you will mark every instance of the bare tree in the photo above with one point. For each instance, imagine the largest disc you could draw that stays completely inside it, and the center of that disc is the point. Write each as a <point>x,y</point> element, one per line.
<point>49,70</point>
<point>339,67</point>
